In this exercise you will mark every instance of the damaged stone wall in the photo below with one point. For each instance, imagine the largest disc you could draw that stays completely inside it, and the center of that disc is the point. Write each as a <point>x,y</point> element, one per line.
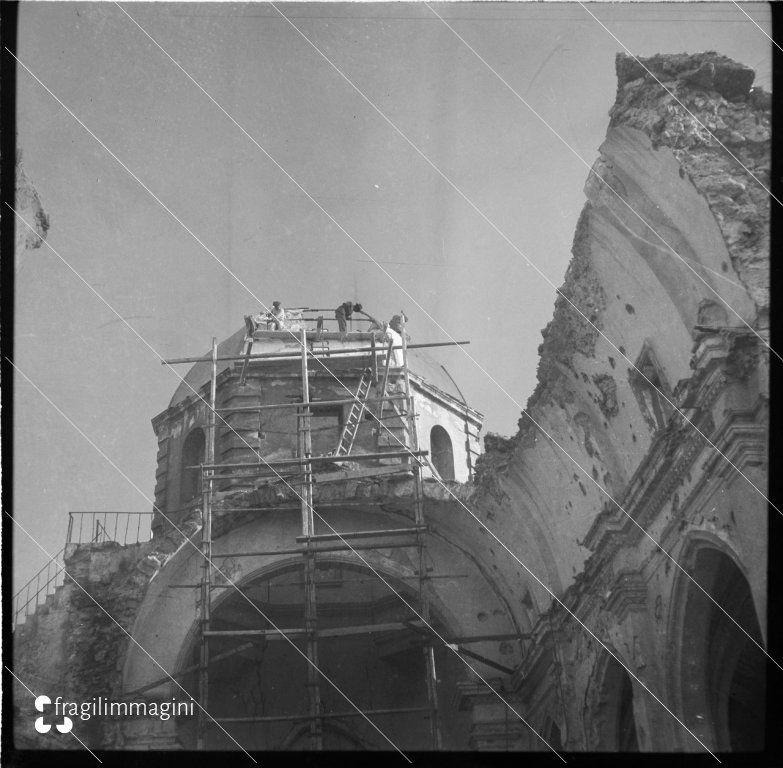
<point>673,231</point>
<point>719,96</point>
<point>670,275</point>
<point>75,646</point>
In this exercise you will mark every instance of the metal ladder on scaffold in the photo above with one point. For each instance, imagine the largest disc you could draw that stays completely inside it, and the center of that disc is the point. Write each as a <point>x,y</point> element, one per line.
<point>358,407</point>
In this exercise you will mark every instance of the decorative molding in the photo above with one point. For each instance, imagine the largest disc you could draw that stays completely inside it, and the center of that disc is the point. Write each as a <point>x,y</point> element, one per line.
<point>673,450</point>
<point>629,592</point>
<point>742,438</point>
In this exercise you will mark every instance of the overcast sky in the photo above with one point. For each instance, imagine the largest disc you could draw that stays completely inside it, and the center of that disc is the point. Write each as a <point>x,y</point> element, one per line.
<point>242,206</point>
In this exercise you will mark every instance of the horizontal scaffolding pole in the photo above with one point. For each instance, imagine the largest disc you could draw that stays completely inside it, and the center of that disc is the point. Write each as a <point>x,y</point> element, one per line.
<point>336,582</point>
<point>262,472</point>
<point>314,404</point>
<point>361,534</point>
<point>322,716</point>
<point>310,460</point>
<point>187,670</point>
<point>320,550</point>
<point>291,471</point>
<point>106,512</point>
<point>359,474</point>
<point>485,638</point>
<point>456,645</point>
<point>339,504</point>
<point>362,629</point>
<point>294,353</point>
<point>485,660</point>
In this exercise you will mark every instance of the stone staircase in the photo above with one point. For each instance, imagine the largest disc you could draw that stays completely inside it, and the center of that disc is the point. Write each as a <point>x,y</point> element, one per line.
<point>27,622</point>
<point>40,592</point>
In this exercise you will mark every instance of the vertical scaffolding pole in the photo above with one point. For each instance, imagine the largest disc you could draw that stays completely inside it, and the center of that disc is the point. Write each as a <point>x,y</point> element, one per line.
<point>206,550</point>
<point>308,529</point>
<point>468,447</point>
<point>424,607</point>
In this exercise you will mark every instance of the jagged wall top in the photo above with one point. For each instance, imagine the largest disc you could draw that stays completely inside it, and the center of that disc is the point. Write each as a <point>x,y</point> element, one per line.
<point>702,101</point>
<point>709,71</point>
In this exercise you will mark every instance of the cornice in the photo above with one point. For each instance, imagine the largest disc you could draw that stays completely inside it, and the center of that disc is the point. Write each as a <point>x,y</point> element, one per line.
<point>628,593</point>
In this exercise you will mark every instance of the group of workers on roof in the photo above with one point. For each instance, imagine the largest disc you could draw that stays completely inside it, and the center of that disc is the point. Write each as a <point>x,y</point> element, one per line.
<point>277,319</point>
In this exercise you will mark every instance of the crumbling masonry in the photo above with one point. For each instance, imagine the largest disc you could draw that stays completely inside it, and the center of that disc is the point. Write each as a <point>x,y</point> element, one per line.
<point>651,529</point>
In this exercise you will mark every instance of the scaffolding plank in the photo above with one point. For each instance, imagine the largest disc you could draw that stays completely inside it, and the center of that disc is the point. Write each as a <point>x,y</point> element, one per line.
<point>361,534</point>
<point>313,404</point>
<point>357,474</point>
<point>338,504</point>
<point>311,460</point>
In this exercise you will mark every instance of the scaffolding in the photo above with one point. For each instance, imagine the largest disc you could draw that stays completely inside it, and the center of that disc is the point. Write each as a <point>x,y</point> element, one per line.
<point>309,544</point>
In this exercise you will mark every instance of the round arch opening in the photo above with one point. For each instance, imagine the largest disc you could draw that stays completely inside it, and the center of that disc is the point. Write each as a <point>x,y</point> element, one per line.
<point>265,678</point>
<point>615,715</point>
<point>442,452</point>
<point>193,454</point>
<point>722,672</point>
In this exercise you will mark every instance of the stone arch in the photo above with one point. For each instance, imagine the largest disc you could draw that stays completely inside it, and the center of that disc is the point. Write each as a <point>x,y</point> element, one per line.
<point>336,736</point>
<point>383,671</point>
<point>442,452</point>
<point>166,623</point>
<point>552,734</point>
<point>612,726</point>
<point>718,672</point>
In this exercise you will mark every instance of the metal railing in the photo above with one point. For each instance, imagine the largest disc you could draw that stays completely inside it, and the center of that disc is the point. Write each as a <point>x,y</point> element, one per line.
<point>35,591</point>
<point>297,317</point>
<point>99,527</point>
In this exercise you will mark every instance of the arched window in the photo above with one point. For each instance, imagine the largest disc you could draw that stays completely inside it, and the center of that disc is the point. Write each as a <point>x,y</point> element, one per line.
<point>552,734</point>
<point>335,737</point>
<point>651,389</point>
<point>441,452</point>
<point>614,714</point>
<point>192,454</point>
<point>722,670</point>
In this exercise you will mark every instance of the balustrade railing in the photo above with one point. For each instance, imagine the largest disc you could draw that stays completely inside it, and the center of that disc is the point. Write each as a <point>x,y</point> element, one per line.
<point>99,527</point>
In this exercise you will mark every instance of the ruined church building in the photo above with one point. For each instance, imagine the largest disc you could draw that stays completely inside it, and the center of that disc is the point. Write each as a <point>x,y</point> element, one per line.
<point>332,543</point>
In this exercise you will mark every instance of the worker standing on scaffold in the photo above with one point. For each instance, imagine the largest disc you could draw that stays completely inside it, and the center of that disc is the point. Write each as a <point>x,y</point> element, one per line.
<point>276,317</point>
<point>343,314</point>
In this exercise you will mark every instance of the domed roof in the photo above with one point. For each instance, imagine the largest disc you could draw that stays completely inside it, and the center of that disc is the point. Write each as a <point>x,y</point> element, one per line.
<point>420,363</point>
<point>201,372</point>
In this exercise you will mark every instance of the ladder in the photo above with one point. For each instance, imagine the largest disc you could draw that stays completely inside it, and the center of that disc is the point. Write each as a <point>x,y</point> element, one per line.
<point>355,415</point>
<point>320,344</point>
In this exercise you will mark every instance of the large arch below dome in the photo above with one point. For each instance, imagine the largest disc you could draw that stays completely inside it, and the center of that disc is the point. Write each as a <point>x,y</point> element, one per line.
<point>464,603</point>
<point>381,674</point>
